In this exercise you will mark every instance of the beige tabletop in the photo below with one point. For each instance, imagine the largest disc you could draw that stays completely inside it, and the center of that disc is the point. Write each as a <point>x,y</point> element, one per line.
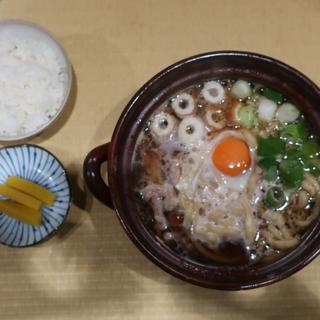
<point>90,269</point>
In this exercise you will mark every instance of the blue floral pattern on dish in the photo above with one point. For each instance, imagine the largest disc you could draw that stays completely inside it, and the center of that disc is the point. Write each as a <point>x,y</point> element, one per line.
<point>39,166</point>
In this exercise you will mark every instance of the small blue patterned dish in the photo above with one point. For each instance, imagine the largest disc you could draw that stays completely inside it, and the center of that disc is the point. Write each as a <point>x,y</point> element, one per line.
<point>37,165</point>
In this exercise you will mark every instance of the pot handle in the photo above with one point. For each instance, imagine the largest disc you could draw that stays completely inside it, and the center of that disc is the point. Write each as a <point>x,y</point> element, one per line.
<point>92,174</point>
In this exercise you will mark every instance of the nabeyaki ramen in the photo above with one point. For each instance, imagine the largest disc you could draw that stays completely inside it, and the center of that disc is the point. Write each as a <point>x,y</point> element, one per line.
<point>227,171</point>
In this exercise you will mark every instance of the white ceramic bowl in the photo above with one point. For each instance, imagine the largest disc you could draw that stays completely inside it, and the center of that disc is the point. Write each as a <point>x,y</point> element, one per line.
<point>43,37</point>
<point>39,166</point>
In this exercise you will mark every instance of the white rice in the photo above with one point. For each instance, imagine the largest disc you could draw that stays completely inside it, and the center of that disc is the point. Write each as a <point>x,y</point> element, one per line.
<point>33,79</point>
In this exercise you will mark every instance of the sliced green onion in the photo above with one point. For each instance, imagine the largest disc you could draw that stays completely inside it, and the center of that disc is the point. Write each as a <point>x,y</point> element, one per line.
<point>247,116</point>
<point>291,173</point>
<point>241,89</point>
<point>273,95</point>
<point>312,167</point>
<point>296,132</point>
<point>266,109</point>
<point>270,166</point>
<point>270,147</point>
<point>287,112</point>
<point>292,154</point>
<point>271,174</point>
<point>275,198</point>
<point>267,162</point>
<point>310,150</point>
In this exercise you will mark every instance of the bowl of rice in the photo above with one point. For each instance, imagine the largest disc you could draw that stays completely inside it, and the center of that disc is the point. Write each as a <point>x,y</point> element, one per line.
<point>35,79</point>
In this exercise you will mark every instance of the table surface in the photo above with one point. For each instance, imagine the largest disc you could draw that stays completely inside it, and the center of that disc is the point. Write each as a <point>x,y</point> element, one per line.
<point>90,269</point>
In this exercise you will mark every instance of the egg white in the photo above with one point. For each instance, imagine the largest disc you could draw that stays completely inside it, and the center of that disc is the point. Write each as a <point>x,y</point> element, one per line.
<point>211,173</point>
<point>203,182</point>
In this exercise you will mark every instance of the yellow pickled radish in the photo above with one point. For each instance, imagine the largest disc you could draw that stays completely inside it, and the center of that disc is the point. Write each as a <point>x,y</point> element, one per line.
<point>31,189</point>
<point>21,212</point>
<point>20,197</point>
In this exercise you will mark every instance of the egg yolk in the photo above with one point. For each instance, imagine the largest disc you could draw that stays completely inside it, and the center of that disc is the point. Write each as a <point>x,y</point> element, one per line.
<point>231,156</point>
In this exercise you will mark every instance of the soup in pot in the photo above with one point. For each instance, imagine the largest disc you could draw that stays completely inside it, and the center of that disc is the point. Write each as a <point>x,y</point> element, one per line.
<point>227,172</point>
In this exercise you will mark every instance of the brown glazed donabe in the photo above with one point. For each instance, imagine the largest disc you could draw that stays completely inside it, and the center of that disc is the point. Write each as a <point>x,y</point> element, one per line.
<point>216,65</point>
